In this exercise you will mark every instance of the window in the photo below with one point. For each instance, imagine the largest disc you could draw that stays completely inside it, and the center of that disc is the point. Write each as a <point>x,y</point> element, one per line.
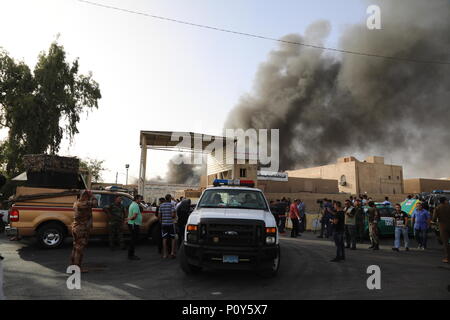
<point>386,212</point>
<point>389,177</point>
<point>233,199</point>
<point>243,173</point>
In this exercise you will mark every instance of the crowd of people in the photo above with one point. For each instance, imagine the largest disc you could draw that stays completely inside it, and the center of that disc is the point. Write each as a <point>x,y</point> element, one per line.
<point>172,218</point>
<point>345,222</point>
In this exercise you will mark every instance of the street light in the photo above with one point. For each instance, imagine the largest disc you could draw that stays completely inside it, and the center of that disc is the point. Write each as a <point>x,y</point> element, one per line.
<point>127,166</point>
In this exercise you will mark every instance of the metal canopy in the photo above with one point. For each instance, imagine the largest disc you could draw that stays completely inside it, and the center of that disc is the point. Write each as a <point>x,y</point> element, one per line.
<point>162,140</point>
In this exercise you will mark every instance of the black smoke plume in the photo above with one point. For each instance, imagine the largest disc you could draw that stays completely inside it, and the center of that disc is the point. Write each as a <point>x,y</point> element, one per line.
<point>183,173</point>
<point>328,105</point>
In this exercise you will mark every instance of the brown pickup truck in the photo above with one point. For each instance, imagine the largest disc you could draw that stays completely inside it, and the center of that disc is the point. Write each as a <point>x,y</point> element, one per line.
<point>48,214</point>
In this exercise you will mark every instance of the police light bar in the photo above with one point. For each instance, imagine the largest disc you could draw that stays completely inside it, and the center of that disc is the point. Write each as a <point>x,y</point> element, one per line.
<point>441,191</point>
<point>227,182</point>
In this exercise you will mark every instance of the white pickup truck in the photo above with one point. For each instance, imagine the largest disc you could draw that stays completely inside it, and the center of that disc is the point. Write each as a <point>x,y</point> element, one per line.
<point>231,227</point>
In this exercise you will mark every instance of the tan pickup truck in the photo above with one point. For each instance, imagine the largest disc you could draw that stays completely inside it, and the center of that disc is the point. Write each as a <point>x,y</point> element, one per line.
<point>48,214</point>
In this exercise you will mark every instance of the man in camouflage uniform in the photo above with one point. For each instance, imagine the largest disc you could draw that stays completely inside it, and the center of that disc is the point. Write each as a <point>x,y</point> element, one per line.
<point>82,225</point>
<point>359,217</point>
<point>373,217</point>
<point>116,214</point>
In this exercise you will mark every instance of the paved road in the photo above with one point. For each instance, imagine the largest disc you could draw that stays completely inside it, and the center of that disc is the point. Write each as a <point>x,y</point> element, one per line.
<point>305,273</point>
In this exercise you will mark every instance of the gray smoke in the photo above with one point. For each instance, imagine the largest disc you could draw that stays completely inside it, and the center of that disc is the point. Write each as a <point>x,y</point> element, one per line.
<point>328,105</point>
<point>183,173</point>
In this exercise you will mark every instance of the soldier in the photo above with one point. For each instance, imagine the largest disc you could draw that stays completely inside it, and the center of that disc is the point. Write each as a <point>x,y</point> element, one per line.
<point>359,217</point>
<point>82,226</point>
<point>116,215</point>
<point>374,217</point>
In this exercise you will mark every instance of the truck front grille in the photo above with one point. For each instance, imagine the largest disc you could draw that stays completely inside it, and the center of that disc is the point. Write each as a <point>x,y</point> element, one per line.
<point>228,232</point>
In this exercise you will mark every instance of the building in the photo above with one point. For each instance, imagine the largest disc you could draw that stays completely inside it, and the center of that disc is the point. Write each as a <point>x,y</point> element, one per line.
<point>420,185</point>
<point>216,169</point>
<point>370,176</point>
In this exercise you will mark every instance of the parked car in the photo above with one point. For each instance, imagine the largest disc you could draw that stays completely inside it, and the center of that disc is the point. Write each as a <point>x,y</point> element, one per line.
<point>47,214</point>
<point>386,223</point>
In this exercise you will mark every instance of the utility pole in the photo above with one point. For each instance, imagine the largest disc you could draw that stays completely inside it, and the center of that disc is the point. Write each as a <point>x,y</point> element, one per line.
<point>127,166</point>
<point>117,174</point>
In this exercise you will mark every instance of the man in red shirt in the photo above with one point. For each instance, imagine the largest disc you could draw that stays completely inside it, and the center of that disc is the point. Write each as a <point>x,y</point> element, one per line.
<point>294,215</point>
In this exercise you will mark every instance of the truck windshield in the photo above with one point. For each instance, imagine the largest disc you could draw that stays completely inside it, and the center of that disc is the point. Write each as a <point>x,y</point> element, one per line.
<point>233,199</point>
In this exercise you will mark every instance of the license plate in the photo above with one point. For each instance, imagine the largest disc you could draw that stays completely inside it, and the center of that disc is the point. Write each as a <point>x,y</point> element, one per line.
<point>230,259</point>
<point>11,232</point>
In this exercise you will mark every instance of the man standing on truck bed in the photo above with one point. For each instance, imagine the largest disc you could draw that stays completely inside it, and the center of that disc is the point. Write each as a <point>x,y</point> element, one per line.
<point>134,222</point>
<point>81,226</point>
<point>116,215</point>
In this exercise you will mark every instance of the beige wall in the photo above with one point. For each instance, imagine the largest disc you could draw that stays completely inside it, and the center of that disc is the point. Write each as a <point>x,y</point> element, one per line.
<point>380,178</point>
<point>299,185</point>
<point>370,176</point>
<point>425,185</point>
<point>332,171</point>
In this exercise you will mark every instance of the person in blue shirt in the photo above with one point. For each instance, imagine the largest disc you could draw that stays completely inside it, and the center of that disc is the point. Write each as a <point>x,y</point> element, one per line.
<point>421,219</point>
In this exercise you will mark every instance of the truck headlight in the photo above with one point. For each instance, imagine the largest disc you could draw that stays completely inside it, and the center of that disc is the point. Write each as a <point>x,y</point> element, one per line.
<point>192,233</point>
<point>271,239</point>
<point>192,237</point>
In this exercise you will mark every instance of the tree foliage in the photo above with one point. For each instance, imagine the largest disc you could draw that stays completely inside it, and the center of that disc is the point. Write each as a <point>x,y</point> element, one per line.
<point>41,107</point>
<point>94,167</point>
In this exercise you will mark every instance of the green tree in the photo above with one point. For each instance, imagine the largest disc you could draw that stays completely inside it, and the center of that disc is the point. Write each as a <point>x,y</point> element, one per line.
<point>94,167</point>
<point>41,107</point>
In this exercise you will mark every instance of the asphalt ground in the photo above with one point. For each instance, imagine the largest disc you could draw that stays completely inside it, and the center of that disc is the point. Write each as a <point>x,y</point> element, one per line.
<point>305,273</point>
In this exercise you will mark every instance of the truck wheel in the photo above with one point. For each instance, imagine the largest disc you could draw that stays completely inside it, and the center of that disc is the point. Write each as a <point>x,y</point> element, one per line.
<point>185,266</point>
<point>274,266</point>
<point>50,235</point>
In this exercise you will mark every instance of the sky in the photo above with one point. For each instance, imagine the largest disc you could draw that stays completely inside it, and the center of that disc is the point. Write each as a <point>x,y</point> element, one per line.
<point>159,75</point>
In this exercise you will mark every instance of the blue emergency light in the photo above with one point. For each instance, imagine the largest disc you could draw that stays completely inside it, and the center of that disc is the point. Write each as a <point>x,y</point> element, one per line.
<point>227,182</point>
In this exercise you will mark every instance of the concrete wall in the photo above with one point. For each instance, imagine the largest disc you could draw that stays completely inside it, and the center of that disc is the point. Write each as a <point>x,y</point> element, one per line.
<point>380,178</point>
<point>299,185</point>
<point>370,176</point>
<point>154,191</point>
<point>333,172</point>
<point>425,185</point>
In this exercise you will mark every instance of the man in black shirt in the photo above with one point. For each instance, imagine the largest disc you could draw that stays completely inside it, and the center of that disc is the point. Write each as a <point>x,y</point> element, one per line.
<point>401,227</point>
<point>282,208</point>
<point>338,231</point>
<point>183,212</point>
